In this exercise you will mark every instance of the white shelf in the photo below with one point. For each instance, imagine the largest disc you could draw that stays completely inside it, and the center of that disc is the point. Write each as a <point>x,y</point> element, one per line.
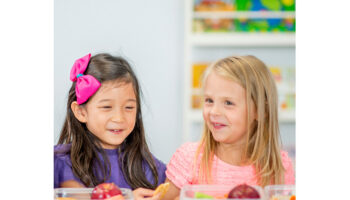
<point>244,14</point>
<point>242,39</point>
<point>285,88</point>
<point>284,116</point>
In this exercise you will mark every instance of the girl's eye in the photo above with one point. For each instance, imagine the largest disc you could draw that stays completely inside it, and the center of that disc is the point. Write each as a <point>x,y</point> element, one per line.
<point>229,103</point>
<point>130,107</point>
<point>208,100</point>
<point>106,107</point>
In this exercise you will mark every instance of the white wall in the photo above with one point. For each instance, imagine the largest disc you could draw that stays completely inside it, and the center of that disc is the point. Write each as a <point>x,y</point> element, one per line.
<point>149,34</point>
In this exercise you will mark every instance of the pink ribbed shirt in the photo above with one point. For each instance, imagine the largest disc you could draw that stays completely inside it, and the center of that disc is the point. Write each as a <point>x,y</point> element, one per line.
<point>180,169</point>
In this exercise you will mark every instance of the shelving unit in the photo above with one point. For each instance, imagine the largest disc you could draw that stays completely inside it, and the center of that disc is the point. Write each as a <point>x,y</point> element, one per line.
<point>193,41</point>
<point>242,39</point>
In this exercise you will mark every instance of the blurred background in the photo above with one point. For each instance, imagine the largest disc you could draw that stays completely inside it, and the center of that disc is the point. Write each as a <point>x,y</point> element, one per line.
<point>169,44</point>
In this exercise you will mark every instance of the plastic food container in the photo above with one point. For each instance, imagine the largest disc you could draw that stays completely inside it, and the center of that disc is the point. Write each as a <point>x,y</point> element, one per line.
<point>84,193</point>
<point>280,192</point>
<point>190,192</point>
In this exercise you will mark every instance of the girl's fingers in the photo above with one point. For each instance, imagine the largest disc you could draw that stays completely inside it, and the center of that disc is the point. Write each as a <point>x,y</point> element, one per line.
<point>155,197</point>
<point>143,192</point>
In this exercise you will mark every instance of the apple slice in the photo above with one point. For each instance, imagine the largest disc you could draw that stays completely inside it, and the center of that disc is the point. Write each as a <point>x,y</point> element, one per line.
<point>106,191</point>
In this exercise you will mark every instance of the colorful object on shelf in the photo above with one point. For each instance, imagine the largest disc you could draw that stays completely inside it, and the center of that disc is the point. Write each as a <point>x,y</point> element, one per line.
<point>197,72</point>
<point>274,5</point>
<point>285,80</point>
<point>213,5</point>
<point>276,73</point>
<point>212,25</point>
<point>196,101</point>
<point>242,5</point>
<point>245,24</point>
<point>288,5</point>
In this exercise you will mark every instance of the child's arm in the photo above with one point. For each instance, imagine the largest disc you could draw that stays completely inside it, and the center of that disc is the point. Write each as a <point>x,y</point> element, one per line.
<point>173,191</point>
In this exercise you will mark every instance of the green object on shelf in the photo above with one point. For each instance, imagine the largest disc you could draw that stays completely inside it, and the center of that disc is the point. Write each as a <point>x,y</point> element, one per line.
<point>258,25</point>
<point>288,5</point>
<point>243,4</point>
<point>274,5</point>
<point>241,25</point>
<point>199,195</point>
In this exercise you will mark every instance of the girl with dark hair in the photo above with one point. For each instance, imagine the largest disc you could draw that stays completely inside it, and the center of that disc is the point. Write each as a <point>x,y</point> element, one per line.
<point>103,139</point>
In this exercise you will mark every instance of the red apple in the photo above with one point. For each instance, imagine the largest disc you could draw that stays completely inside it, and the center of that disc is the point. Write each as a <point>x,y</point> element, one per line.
<point>105,191</point>
<point>243,191</point>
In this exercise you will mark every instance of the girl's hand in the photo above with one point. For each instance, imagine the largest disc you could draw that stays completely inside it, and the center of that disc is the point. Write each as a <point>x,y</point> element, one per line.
<point>144,194</point>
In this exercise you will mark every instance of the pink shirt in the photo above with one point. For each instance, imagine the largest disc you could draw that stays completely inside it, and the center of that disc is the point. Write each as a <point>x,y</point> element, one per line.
<point>180,169</point>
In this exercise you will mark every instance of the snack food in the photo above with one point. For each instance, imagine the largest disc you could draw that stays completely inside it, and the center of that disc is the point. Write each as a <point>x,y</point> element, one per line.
<point>161,190</point>
<point>243,191</point>
<point>200,195</point>
<point>283,197</point>
<point>280,192</point>
<point>107,191</point>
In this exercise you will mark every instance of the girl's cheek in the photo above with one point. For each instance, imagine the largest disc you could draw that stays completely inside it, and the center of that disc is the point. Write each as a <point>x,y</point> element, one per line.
<point>205,114</point>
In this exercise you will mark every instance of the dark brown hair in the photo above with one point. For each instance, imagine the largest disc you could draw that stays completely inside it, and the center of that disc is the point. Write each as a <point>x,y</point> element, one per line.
<point>85,150</point>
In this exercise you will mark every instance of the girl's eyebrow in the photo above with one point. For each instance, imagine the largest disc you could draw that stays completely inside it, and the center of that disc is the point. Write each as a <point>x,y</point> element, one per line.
<point>131,100</point>
<point>221,97</point>
<point>104,100</point>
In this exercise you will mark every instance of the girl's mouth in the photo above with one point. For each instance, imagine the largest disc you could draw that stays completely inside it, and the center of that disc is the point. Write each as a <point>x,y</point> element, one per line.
<point>218,125</point>
<point>116,131</point>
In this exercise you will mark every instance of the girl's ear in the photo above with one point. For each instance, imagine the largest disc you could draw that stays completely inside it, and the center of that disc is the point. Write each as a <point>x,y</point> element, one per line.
<point>79,112</point>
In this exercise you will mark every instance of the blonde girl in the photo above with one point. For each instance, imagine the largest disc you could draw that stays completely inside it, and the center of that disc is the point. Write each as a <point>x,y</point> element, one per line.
<point>240,141</point>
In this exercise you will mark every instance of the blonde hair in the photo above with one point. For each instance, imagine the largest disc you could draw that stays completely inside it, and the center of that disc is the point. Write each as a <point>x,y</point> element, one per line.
<point>262,148</point>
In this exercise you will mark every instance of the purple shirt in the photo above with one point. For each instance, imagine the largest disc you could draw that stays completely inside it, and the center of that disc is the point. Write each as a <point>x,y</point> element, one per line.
<point>63,168</point>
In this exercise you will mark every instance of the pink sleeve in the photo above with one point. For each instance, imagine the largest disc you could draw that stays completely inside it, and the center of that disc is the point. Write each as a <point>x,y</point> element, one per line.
<point>289,177</point>
<point>179,169</point>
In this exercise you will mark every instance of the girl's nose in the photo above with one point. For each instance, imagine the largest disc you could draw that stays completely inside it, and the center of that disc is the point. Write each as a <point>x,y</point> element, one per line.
<point>118,116</point>
<point>215,110</point>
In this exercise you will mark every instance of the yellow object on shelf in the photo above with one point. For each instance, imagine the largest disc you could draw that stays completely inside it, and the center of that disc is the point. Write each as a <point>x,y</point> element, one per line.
<point>196,101</point>
<point>276,73</point>
<point>197,72</point>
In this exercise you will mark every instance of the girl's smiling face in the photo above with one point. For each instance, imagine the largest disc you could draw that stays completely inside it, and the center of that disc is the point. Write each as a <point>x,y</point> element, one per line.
<point>225,110</point>
<point>111,113</point>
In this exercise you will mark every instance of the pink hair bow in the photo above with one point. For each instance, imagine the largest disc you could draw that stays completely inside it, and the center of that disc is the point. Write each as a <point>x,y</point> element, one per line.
<point>86,85</point>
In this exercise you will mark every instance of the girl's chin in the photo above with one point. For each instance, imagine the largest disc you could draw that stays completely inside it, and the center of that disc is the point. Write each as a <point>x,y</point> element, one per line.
<point>219,138</point>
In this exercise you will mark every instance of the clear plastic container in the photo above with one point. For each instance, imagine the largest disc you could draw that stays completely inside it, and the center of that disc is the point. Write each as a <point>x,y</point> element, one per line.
<point>280,192</point>
<point>84,193</point>
<point>188,192</point>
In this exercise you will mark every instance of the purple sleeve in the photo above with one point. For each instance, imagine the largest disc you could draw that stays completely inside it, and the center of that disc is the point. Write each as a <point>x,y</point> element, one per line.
<point>62,169</point>
<point>161,167</point>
